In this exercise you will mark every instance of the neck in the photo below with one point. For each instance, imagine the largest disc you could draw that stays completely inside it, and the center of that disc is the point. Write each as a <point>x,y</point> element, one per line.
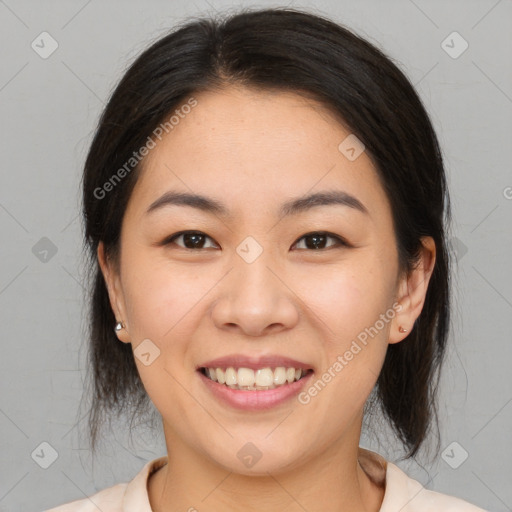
<point>335,480</point>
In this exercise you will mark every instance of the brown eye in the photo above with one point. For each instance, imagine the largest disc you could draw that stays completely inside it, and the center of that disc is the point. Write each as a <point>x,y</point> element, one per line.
<point>317,241</point>
<point>191,239</point>
<point>196,240</point>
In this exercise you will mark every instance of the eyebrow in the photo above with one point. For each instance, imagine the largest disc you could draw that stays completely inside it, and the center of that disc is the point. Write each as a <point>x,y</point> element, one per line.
<point>292,207</point>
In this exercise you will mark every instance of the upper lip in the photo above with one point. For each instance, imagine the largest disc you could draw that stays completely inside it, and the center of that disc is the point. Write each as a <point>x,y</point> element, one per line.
<point>254,362</point>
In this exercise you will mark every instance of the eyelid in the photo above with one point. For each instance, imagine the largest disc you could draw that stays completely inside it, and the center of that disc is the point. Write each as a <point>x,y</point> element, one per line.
<point>340,241</point>
<point>170,239</point>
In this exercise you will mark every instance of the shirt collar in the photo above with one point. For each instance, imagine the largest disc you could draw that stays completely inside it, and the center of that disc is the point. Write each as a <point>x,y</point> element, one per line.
<point>136,497</point>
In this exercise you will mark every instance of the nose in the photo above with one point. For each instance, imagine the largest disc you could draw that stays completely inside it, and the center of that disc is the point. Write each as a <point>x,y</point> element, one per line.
<point>255,299</point>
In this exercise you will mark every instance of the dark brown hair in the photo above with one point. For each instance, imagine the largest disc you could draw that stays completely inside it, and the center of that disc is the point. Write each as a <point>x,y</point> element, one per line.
<point>290,50</point>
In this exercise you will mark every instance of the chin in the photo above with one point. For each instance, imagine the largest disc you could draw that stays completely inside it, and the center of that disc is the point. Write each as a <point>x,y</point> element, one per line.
<point>257,456</point>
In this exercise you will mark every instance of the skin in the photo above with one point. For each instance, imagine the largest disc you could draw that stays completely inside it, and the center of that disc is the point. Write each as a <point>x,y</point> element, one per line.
<point>253,150</point>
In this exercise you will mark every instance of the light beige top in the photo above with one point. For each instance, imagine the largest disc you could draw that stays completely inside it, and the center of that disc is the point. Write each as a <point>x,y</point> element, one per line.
<point>402,494</point>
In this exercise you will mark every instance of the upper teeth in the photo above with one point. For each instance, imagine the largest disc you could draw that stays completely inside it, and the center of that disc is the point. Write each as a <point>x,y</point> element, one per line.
<point>248,377</point>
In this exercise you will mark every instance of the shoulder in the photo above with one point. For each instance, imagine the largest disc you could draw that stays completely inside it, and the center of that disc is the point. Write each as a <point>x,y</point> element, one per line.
<point>118,498</point>
<point>107,500</point>
<point>408,495</point>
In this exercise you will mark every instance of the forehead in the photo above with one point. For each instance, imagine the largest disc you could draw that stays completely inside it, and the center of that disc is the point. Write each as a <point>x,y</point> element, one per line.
<point>255,148</point>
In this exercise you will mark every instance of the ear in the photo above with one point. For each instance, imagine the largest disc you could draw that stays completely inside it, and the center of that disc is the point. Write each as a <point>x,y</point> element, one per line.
<point>413,290</point>
<point>115,293</point>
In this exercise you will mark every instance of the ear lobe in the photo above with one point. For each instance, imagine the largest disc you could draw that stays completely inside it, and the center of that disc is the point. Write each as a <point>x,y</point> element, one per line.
<point>413,291</point>
<point>114,291</point>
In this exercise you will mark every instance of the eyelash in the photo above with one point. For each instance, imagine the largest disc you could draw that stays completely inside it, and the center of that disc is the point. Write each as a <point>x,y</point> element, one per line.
<point>340,242</point>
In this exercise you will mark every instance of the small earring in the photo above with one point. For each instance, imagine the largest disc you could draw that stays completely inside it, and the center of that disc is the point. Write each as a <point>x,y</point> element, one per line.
<point>118,326</point>
<point>401,329</point>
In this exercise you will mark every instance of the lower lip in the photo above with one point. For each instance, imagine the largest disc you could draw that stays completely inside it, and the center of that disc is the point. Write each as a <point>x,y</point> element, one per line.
<point>258,399</point>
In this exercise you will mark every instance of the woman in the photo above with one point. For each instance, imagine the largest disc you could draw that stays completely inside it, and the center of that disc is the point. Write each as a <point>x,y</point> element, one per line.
<point>266,208</point>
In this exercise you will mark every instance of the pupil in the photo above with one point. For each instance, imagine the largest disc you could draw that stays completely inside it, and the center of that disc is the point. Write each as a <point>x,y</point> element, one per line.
<point>197,240</point>
<point>316,242</point>
<point>191,237</point>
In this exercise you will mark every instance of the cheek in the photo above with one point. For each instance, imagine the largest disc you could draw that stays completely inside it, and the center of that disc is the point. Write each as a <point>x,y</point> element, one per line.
<point>348,296</point>
<point>163,306</point>
<point>350,301</point>
<point>158,295</point>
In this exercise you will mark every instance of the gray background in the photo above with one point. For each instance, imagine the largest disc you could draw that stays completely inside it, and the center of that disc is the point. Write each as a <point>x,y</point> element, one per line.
<point>49,108</point>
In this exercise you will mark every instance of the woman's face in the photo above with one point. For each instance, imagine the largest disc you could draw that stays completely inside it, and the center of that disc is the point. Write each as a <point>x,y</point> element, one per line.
<point>251,284</point>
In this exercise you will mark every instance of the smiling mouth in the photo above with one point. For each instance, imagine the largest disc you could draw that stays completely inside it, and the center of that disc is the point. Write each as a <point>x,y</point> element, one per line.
<point>247,379</point>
